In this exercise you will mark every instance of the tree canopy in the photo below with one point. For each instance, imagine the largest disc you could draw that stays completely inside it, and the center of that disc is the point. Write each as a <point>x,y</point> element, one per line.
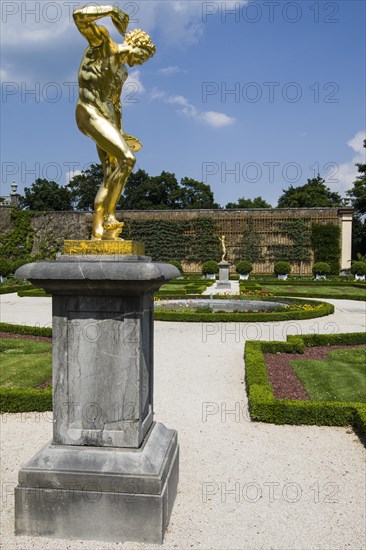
<point>358,201</point>
<point>84,187</point>
<point>144,192</point>
<point>313,194</point>
<point>46,195</point>
<point>358,191</point>
<point>257,202</point>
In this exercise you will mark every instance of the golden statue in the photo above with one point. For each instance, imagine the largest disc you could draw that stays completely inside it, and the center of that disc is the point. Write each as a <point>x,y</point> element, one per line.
<point>102,74</point>
<point>223,246</point>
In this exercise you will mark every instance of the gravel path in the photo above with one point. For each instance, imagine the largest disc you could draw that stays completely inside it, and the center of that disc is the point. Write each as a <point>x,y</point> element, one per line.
<point>243,485</point>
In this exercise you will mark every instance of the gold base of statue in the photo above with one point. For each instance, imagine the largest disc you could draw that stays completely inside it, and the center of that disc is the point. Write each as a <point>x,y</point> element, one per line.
<point>121,247</point>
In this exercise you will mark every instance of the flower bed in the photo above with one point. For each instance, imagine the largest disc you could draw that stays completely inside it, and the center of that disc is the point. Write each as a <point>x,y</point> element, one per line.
<point>264,407</point>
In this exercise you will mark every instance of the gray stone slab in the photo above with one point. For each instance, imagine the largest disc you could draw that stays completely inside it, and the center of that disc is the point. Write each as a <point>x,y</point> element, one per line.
<point>223,281</point>
<point>110,473</point>
<point>223,285</point>
<point>98,493</point>
<point>99,276</point>
<point>102,369</point>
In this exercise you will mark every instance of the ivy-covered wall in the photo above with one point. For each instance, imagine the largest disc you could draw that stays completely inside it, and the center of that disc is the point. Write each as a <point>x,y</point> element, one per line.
<point>261,236</point>
<point>325,240</point>
<point>186,240</point>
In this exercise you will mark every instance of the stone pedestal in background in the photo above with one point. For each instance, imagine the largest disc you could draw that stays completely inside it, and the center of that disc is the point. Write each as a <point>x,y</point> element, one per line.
<point>223,282</point>
<point>111,472</point>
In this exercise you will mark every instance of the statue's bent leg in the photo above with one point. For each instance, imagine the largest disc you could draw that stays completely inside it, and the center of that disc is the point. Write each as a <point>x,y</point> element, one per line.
<point>108,139</point>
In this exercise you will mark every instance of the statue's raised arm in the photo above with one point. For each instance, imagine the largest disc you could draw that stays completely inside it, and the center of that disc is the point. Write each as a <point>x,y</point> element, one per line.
<point>86,16</point>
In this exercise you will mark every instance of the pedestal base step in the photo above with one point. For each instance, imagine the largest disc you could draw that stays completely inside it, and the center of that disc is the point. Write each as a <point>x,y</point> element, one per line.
<point>223,285</point>
<point>96,493</point>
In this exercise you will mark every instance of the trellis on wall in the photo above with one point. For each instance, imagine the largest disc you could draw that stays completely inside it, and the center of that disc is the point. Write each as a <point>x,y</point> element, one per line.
<point>262,236</point>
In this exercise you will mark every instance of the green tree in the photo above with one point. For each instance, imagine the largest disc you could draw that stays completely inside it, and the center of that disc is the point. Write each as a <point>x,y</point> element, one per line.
<point>358,191</point>
<point>196,194</point>
<point>46,195</point>
<point>163,191</point>
<point>358,236</point>
<point>313,193</point>
<point>144,192</point>
<point>257,202</point>
<point>358,201</point>
<point>84,187</point>
<point>134,194</point>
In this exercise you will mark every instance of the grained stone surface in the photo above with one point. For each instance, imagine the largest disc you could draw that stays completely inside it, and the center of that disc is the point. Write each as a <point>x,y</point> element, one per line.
<point>109,474</point>
<point>223,282</point>
<point>100,494</point>
<point>102,369</point>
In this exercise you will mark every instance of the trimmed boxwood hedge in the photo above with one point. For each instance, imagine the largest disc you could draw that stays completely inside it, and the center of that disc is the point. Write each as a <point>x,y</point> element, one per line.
<point>8,289</point>
<point>33,293</point>
<point>321,295</point>
<point>14,400</point>
<point>24,329</point>
<point>190,317</point>
<point>263,405</point>
<point>259,282</point>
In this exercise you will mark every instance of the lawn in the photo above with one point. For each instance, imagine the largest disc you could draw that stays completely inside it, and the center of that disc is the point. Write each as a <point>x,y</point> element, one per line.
<point>319,291</point>
<point>24,363</point>
<point>339,377</point>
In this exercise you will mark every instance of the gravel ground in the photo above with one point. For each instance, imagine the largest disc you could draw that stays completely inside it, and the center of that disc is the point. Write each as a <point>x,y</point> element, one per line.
<point>243,485</point>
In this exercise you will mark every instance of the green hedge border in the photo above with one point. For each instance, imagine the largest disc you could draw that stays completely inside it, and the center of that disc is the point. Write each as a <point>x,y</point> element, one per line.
<point>261,286</point>
<point>25,329</point>
<point>9,289</point>
<point>263,405</point>
<point>33,293</point>
<point>15,400</point>
<point>185,317</point>
<point>326,296</point>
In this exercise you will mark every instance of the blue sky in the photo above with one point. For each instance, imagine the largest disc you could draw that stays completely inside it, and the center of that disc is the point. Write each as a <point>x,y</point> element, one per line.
<point>249,97</point>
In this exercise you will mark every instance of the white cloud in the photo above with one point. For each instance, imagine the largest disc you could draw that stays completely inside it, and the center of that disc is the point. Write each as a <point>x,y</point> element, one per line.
<point>71,174</point>
<point>217,120</point>
<point>177,22</point>
<point>357,143</point>
<point>23,27</point>
<point>132,88</point>
<point>157,94</point>
<point>347,171</point>
<point>134,78</point>
<point>172,70</point>
<point>211,118</point>
<point>178,100</point>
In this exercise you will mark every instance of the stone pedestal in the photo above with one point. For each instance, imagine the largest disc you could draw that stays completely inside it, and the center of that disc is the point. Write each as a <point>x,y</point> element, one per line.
<point>111,472</point>
<point>223,282</point>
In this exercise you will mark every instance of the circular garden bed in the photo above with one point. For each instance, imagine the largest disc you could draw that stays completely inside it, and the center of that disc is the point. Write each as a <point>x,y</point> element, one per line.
<point>226,310</point>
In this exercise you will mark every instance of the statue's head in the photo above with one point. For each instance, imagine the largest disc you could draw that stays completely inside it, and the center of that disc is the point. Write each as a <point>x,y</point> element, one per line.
<point>142,47</point>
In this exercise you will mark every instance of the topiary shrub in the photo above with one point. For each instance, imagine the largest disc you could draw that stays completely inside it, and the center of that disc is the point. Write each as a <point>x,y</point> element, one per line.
<point>282,268</point>
<point>321,268</point>
<point>244,267</point>
<point>210,268</point>
<point>358,268</point>
<point>6,266</point>
<point>177,264</point>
